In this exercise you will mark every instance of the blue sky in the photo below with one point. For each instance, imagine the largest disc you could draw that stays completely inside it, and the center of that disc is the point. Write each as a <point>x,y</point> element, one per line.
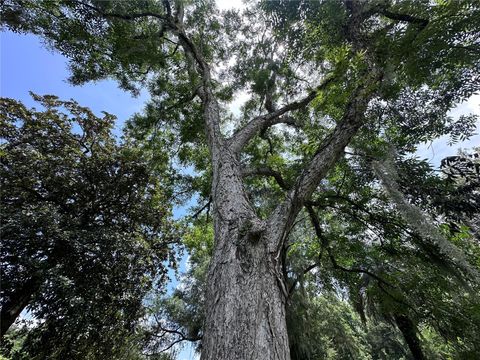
<point>26,65</point>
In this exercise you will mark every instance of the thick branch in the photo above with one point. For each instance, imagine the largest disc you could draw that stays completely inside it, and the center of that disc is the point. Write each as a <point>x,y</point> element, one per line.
<point>241,137</point>
<point>18,301</point>
<point>381,9</point>
<point>211,111</point>
<point>404,17</point>
<point>325,158</point>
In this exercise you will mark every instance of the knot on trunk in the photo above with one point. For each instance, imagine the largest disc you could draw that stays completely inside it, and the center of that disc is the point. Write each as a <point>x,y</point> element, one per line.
<point>251,230</point>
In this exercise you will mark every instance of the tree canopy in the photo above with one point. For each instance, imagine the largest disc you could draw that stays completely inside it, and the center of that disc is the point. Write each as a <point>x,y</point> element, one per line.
<point>317,219</point>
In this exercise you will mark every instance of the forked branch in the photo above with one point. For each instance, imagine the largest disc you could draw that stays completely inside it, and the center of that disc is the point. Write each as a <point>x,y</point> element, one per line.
<point>242,136</point>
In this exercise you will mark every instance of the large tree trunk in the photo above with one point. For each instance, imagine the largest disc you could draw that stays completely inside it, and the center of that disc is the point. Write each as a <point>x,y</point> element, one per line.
<point>245,305</point>
<point>245,300</point>
<point>245,312</point>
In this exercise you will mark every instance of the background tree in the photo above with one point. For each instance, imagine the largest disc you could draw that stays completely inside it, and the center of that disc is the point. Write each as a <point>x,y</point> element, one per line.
<point>86,230</point>
<point>377,76</point>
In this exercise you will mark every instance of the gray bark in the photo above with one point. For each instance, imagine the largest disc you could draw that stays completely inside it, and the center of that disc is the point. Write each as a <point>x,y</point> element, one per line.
<point>246,307</point>
<point>246,293</point>
<point>245,316</point>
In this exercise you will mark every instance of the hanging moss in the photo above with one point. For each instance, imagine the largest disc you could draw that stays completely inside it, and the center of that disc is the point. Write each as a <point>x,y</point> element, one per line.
<point>385,171</point>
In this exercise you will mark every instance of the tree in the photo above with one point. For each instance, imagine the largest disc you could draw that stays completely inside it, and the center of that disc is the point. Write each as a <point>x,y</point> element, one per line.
<point>396,291</point>
<point>370,75</point>
<point>86,230</point>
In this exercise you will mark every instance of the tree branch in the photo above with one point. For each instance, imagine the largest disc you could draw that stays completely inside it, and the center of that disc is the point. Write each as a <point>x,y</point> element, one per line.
<point>174,23</point>
<point>325,158</point>
<point>241,137</point>
<point>266,171</point>
<point>206,206</point>
<point>304,272</point>
<point>404,17</point>
<point>318,231</point>
<point>159,331</point>
<point>175,332</point>
<point>211,111</point>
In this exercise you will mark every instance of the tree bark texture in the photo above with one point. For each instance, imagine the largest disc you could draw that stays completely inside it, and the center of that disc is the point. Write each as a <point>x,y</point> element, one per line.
<point>246,295</point>
<point>245,303</point>
<point>246,307</point>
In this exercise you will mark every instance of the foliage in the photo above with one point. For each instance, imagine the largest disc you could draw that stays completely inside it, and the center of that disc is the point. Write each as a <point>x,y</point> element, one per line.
<point>179,316</point>
<point>396,67</point>
<point>86,230</point>
<point>325,327</point>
